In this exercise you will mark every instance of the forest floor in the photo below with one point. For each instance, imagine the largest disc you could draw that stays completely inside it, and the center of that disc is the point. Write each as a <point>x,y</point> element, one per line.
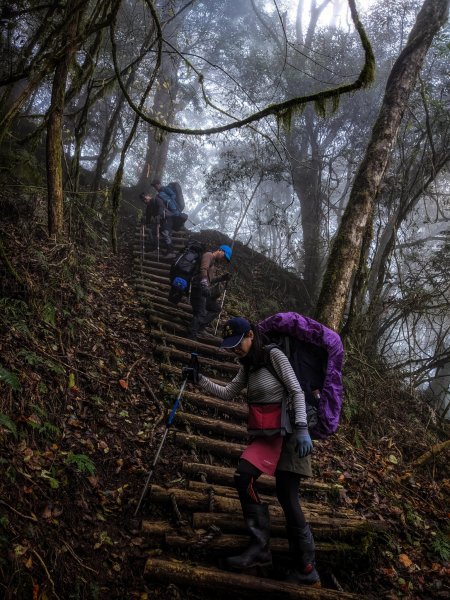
<point>79,427</point>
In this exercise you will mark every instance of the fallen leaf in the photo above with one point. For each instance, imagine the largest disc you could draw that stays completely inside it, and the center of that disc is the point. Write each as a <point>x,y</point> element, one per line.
<point>405,560</point>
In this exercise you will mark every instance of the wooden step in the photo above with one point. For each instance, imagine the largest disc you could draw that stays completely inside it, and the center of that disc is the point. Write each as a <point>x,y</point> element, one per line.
<point>339,512</point>
<point>182,342</point>
<point>232,523</point>
<point>160,298</point>
<point>233,408</point>
<point>184,357</point>
<point>182,573</point>
<point>225,475</point>
<point>228,544</point>
<point>216,426</point>
<point>203,501</point>
<point>176,372</point>
<point>216,447</point>
<point>171,309</point>
<point>166,325</point>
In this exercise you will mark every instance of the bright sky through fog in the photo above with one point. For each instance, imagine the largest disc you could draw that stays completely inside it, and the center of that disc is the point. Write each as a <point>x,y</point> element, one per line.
<point>337,10</point>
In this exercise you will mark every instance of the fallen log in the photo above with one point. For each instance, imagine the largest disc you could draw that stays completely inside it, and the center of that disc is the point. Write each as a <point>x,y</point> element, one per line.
<point>181,573</point>
<point>431,453</point>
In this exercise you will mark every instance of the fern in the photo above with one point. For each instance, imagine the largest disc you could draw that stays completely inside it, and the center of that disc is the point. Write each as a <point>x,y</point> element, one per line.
<point>49,314</point>
<point>440,546</point>
<point>10,378</point>
<point>34,360</point>
<point>6,422</point>
<point>81,462</point>
<point>50,431</point>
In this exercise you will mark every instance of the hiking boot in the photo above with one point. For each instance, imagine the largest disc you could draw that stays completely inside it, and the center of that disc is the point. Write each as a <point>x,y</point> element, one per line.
<point>170,252</point>
<point>257,553</point>
<point>302,550</point>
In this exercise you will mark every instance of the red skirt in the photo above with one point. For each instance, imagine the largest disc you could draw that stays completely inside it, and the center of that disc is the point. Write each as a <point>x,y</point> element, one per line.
<point>264,453</point>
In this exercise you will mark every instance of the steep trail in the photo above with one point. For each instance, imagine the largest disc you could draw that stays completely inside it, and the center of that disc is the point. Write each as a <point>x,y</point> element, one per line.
<point>204,522</point>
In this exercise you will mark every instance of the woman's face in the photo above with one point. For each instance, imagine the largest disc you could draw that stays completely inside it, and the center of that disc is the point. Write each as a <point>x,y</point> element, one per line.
<point>243,348</point>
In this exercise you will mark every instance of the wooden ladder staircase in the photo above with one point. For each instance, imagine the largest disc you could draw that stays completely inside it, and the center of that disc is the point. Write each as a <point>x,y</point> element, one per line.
<point>207,524</point>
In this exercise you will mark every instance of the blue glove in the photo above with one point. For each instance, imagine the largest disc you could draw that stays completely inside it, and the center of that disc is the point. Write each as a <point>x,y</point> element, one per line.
<point>303,442</point>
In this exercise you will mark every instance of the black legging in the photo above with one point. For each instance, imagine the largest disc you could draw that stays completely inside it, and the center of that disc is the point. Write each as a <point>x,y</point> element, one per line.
<point>287,485</point>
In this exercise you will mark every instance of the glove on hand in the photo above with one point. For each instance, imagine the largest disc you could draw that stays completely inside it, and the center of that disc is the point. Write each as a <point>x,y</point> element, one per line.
<point>205,289</point>
<point>192,374</point>
<point>303,442</point>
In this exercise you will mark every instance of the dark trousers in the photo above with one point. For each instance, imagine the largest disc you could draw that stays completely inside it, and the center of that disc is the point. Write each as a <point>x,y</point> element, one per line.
<point>287,485</point>
<point>165,232</point>
<point>204,308</point>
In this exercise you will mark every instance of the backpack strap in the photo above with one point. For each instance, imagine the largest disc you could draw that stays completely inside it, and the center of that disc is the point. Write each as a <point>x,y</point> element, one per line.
<point>268,361</point>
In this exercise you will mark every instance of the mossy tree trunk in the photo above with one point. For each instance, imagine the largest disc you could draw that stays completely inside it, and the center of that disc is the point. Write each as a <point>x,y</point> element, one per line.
<point>346,251</point>
<point>74,9</point>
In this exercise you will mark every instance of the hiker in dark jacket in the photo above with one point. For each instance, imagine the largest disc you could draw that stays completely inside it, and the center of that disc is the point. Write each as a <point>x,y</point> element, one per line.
<point>158,221</point>
<point>280,446</point>
<point>205,291</point>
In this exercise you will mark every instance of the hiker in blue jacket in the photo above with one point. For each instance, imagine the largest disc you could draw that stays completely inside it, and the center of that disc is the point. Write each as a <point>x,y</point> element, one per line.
<point>176,218</point>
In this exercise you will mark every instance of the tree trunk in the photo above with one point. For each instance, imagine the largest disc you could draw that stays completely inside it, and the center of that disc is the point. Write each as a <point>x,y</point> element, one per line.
<point>346,250</point>
<point>55,122</point>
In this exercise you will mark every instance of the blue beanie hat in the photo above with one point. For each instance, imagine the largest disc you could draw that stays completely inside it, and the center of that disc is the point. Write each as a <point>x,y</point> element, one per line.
<point>227,250</point>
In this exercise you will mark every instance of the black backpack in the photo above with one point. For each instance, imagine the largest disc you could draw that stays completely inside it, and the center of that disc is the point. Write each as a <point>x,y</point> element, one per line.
<point>176,187</point>
<point>183,268</point>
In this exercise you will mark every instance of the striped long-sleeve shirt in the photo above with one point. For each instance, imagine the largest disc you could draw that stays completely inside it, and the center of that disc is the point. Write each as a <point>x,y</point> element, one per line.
<point>261,384</point>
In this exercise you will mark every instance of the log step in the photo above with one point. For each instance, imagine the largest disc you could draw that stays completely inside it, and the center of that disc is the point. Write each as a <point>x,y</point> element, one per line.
<point>211,348</point>
<point>208,425</point>
<point>216,447</point>
<point>225,475</point>
<point>184,357</point>
<point>200,501</point>
<point>176,372</point>
<point>342,529</point>
<point>226,407</point>
<point>184,574</point>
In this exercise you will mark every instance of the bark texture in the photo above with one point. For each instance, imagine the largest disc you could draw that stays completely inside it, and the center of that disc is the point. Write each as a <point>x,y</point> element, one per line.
<point>346,250</point>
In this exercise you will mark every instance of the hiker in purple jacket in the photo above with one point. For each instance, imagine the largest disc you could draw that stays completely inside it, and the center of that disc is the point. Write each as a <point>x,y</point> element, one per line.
<point>280,446</point>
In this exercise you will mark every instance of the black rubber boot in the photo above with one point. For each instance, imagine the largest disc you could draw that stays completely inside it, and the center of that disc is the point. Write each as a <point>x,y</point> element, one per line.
<point>257,553</point>
<point>302,550</point>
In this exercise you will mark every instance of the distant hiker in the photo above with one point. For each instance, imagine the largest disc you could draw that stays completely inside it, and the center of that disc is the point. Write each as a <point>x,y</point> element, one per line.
<point>205,291</point>
<point>172,197</point>
<point>158,222</point>
<point>280,446</point>
<point>183,269</point>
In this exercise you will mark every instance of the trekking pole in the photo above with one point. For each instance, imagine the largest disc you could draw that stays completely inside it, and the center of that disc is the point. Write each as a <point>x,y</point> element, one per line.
<point>192,365</point>
<point>157,242</point>
<point>143,244</point>
<point>221,308</point>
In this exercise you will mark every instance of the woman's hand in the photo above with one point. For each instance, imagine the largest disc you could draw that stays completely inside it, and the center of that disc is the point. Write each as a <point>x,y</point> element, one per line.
<point>303,442</point>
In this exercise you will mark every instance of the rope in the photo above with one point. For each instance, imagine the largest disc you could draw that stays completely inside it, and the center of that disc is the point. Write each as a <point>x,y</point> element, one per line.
<point>211,494</point>
<point>207,537</point>
<point>179,519</point>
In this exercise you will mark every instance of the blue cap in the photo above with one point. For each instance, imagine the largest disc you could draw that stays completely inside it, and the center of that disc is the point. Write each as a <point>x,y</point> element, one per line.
<point>228,251</point>
<point>234,331</point>
<point>180,283</point>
